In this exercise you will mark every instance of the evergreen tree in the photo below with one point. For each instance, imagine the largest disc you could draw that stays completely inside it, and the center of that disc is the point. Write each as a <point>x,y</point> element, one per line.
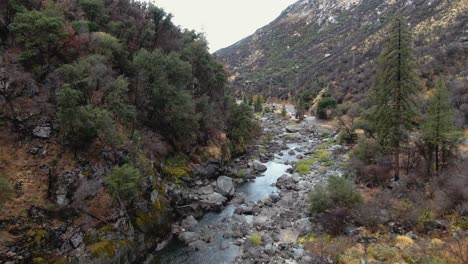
<point>258,103</point>
<point>397,87</point>
<point>438,128</point>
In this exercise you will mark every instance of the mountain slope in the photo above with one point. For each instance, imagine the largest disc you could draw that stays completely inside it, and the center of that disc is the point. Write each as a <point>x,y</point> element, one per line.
<point>334,43</point>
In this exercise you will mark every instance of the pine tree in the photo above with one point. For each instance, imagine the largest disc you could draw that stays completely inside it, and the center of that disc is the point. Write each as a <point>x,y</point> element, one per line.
<point>438,128</point>
<point>258,103</point>
<point>397,87</point>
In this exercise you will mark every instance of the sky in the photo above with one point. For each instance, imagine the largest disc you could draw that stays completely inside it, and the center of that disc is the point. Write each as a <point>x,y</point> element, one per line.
<point>224,22</point>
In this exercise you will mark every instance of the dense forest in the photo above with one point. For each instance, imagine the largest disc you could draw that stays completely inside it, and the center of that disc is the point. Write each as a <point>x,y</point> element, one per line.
<point>105,99</point>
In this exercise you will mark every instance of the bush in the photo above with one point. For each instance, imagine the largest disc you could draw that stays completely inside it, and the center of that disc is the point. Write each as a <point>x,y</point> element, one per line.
<point>325,104</point>
<point>6,191</point>
<point>124,182</point>
<point>338,192</point>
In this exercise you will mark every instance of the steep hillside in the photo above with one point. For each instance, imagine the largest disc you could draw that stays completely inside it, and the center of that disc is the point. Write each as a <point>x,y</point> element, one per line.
<point>106,108</point>
<point>334,43</point>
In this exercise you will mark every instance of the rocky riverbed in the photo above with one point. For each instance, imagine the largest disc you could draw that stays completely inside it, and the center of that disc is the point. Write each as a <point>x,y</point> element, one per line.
<point>259,195</point>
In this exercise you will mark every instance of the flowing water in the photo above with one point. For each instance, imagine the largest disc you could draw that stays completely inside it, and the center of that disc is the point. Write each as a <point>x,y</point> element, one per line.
<point>211,223</point>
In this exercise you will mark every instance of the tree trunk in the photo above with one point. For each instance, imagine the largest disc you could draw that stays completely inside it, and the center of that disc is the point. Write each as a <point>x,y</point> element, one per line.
<point>437,158</point>
<point>397,164</point>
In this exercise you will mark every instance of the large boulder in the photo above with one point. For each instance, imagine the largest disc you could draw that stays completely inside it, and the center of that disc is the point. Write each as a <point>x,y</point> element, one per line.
<point>258,166</point>
<point>212,201</point>
<point>224,186</point>
<point>208,170</point>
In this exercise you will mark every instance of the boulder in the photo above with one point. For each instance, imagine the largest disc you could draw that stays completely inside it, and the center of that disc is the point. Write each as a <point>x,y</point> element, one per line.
<point>188,237</point>
<point>213,201</point>
<point>208,170</point>
<point>292,129</point>
<point>258,166</point>
<point>42,131</point>
<point>208,189</point>
<point>224,186</point>
<point>189,222</point>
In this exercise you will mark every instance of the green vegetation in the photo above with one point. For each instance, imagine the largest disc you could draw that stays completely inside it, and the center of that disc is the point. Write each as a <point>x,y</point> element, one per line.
<point>124,182</point>
<point>325,104</point>
<point>40,33</point>
<point>338,192</point>
<point>6,191</point>
<point>258,102</point>
<point>438,129</point>
<point>242,128</point>
<point>256,239</point>
<point>396,90</point>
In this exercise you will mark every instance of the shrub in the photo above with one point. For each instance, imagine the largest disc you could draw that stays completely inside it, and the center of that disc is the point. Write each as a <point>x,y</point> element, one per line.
<point>338,192</point>
<point>256,239</point>
<point>124,182</point>
<point>176,167</point>
<point>325,104</point>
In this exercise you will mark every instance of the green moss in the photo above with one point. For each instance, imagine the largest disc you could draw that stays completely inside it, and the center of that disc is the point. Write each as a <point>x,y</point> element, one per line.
<point>106,248</point>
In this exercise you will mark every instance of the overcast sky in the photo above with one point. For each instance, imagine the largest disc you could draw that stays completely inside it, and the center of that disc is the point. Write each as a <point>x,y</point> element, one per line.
<point>223,21</point>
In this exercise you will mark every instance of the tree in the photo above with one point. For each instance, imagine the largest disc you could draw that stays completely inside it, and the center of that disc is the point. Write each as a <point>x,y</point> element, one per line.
<point>258,103</point>
<point>397,87</point>
<point>300,108</point>
<point>117,100</point>
<point>438,127</point>
<point>124,182</point>
<point>168,105</point>
<point>40,32</point>
<point>242,126</point>
<point>93,9</point>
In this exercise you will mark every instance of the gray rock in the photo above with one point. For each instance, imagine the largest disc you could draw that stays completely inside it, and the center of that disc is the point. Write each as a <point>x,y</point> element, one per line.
<point>208,189</point>
<point>259,221</point>
<point>292,129</point>
<point>270,249</point>
<point>291,152</point>
<point>189,222</point>
<point>266,239</point>
<point>76,239</point>
<point>224,186</point>
<point>284,181</point>
<point>303,226</point>
<point>188,237</point>
<point>209,170</point>
<point>213,201</point>
<point>298,253</point>
<point>259,167</point>
<point>42,131</point>
<point>198,245</point>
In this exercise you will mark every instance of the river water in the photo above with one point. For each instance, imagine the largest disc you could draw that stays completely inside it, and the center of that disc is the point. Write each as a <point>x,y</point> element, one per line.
<point>211,223</point>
